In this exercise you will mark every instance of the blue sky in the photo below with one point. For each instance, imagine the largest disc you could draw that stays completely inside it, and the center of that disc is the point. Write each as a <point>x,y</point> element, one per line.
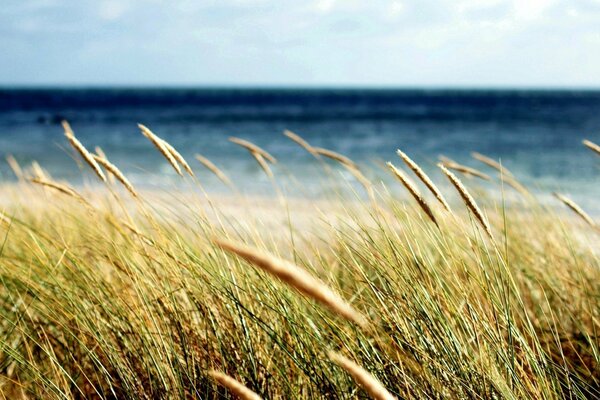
<point>311,42</point>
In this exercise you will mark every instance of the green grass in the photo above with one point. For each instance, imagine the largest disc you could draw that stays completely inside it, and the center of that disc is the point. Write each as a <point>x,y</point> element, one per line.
<point>90,309</point>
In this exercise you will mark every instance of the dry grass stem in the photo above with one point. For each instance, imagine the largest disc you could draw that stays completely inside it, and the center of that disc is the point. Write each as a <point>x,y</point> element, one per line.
<point>576,209</point>
<point>425,179</point>
<point>178,157</point>
<point>491,163</point>
<point>463,169</point>
<point>160,145</point>
<point>38,171</point>
<point>214,169</point>
<point>368,382</point>
<point>592,146</point>
<point>468,200</point>
<point>61,188</point>
<point>263,164</point>
<point>116,172</point>
<point>100,153</point>
<point>87,156</point>
<point>14,166</point>
<point>303,143</point>
<point>234,386</point>
<point>413,190</point>
<point>335,156</point>
<point>296,277</point>
<point>252,148</point>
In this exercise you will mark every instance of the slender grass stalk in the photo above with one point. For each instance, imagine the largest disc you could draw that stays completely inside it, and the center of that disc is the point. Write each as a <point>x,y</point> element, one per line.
<point>303,143</point>
<point>425,179</point>
<point>576,209</point>
<point>295,277</point>
<point>335,156</point>
<point>234,386</point>
<point>252,148</point>
<point>468,200</point>
<point>467,170</point>
<point>116,172</point>
<point>413,190</point>
<point>15,167</point>
<point>592,146</point>
<point>160,145</point>
<point>87,156</point>
<point>491,163</point>
<point>368,382</point>
<point>213,168</point>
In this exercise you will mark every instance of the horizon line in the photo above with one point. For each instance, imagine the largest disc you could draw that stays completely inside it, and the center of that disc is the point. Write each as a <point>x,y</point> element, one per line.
<point>291,86</point>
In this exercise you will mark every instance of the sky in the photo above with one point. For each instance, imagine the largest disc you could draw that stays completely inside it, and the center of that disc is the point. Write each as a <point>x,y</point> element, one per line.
<point>473,43</point>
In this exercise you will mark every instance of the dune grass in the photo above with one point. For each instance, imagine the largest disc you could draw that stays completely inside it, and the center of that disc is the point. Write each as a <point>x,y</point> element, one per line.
<point>109,295</point>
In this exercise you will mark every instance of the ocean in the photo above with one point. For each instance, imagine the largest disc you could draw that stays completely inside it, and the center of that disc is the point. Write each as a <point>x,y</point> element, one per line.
<point>536,134</point>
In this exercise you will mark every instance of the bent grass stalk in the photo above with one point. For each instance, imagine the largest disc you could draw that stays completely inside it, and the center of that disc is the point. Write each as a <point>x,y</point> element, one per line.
<point>87,156</point>
<point>468,200</point>
<point>576,209</point>
<point>160,145</point>
<point>303,143</point>
<point>116,172</point>
<point>463,169</point>
<point>214,169</point>
<point>296,277</point>
<point>252,148</point>
<point>100,153</point>
<point>592,146</point>
<point>15,167</point>
<point>335,156</point>
<point>177,156</point>
<point>425,179</point>
<point>234,386</point>
<point>413,190</point>
<point>263,164</point>
<point>368,382</point>
<point>59,187</point>
<point>491,163</point>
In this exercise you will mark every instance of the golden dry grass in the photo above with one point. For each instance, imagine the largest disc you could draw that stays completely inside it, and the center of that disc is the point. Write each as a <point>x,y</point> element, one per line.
<point>106,297</point>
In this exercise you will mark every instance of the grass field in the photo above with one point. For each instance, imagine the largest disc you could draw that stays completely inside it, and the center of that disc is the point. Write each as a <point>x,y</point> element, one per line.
<point>107,292</point>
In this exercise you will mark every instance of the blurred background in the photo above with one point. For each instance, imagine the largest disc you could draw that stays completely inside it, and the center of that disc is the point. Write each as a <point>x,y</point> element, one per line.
<point>516,80</point>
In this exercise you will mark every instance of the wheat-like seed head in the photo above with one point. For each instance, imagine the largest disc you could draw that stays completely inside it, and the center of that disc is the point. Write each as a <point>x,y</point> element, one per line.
<point>160,145</point>
<point>576,209</point>
<point>87,156</point>
<point>296,277</point>
<point>213,168</point>
<point>59,187</point>
<point>468,200</point>
<point>335,156</point>
<point>467,170</point>
<point>100,153</point>
<point>263,164</point>
<point>116,172</point>
<point>252,148</point>
<point>592,146</point>
<point>491,163</point>
<point>38,171</point>
<point>234,386</point>
<point>425,179</point>
<point>368,382</point>
<point>14,166</point>
<point>303,143</point>
<point>413,190</point>
<point>178,157</point>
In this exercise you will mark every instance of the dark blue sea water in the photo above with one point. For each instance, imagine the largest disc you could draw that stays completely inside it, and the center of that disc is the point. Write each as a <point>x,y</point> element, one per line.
<point>536,134</point>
